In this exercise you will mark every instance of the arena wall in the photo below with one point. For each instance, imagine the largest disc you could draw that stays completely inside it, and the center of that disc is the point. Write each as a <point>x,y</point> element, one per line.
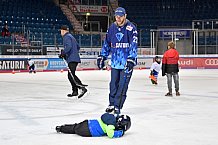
<point>19,63</point>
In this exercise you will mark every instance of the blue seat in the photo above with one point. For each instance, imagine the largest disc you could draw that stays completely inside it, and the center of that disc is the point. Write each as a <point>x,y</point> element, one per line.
<point>38,16</point>
<point>2,40</point>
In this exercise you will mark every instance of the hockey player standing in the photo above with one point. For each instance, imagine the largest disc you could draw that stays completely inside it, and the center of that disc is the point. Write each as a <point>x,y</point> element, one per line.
<point>121,42</point>
<point>71,54</point>
<point>155,68</point>
<point>170,67</point>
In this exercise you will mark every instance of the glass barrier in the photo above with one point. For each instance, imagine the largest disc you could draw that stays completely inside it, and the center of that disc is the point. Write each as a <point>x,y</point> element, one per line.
<point>206,42</point>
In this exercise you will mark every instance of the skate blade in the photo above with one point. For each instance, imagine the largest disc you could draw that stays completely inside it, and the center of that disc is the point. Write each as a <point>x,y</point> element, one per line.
<point>83,96</point>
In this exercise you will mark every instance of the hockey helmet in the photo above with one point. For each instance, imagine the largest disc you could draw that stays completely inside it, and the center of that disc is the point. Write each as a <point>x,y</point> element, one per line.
<point>124,122</point>
<point>157,59</point>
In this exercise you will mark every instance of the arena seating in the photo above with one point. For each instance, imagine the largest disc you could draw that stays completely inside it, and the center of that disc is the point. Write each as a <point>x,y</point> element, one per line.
<point>42,18</point>
<point>151,14</point>
<point>37,16</point>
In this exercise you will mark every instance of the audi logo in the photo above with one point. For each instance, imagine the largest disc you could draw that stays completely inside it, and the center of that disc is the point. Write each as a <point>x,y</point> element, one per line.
<point>211,61</point>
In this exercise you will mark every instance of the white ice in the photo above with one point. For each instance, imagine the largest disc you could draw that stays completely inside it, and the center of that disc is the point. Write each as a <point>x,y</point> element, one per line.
<point>31,105</point>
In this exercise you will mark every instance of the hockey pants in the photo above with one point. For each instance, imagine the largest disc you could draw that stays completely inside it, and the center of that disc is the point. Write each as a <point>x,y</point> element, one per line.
<point>81,129</point>
<point>118,87</point>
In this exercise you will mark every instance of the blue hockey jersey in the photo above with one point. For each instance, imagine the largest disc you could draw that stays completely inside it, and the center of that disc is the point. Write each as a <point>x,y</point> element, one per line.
<point>99,128</point>
<point>121,43</point>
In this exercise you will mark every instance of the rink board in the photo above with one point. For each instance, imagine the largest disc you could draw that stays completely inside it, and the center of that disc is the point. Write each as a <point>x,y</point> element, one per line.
<point>19,64</point>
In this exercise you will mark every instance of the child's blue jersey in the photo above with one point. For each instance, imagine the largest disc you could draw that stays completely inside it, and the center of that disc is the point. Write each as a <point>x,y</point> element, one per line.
<point>121,43</point>
<point>99,128</point>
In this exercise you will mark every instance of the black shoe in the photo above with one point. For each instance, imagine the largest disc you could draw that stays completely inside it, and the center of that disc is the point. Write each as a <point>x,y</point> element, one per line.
<point>109,109</point>
<point>84,90</point>
<point>58,129</point>
<point>177,93</point>
<point>169,94</point>
<point>75,93</point>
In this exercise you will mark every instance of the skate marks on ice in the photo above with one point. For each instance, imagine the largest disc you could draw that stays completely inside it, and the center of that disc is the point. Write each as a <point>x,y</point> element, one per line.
<point>17,115</point>
<point>27,110</point>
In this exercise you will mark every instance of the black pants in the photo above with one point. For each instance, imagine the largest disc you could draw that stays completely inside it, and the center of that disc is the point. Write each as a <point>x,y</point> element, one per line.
<point>81,129</point>
<point>32,68</point>
<point>72,66</point>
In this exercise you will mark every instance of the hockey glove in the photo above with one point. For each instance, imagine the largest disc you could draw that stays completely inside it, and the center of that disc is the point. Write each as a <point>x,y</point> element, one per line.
<point>100,62</point>
<point>129,65</point>
<point>151,73</point>
<point>62,56</point>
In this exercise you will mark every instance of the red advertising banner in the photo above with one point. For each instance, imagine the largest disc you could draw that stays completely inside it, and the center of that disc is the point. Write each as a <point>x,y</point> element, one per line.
<point>191,62</point>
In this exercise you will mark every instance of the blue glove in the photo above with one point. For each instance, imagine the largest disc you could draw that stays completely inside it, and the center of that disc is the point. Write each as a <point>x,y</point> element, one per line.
<point>129,65</point>
<point>100,62</point>
<point>118,133</point>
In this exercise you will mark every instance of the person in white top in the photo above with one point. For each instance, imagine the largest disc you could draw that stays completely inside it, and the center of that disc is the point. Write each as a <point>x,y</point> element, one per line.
<point>155,68</point>
<point>31,66</point>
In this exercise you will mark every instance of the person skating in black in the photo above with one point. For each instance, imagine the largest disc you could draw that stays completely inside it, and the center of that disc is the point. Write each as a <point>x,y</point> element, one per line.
<point>71,54</point>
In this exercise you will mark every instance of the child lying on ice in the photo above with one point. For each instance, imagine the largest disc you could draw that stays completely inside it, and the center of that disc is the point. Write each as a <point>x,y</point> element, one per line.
<point>108,125</point>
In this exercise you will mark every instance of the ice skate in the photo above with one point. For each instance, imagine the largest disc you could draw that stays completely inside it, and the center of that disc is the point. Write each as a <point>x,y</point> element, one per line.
<point>109,109</point>
<point>153,79</point>
<point>84,90</point>
<point>84,85</point>
<point>177,93</point>
<point>58,129</point>
<point>169,94</point>
<point>74,93</point>
<point>116,112</point>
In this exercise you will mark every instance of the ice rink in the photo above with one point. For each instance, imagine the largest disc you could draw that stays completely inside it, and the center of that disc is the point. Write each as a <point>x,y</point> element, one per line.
<point>31,105</point>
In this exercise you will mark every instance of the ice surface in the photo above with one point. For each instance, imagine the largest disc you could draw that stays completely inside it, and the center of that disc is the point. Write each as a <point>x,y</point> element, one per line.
<point>31,105</point>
